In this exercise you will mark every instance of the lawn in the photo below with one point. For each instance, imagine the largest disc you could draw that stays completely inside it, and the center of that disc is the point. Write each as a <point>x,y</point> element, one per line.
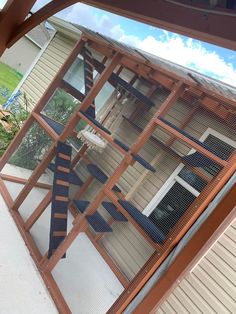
<point>9,78</point>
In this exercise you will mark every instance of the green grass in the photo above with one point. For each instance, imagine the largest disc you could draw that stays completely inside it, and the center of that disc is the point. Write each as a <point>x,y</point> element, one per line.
<point>9,78</point>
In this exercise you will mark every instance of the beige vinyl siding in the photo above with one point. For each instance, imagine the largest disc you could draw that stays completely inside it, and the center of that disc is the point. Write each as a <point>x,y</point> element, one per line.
<point>46,68</point>
<point>211,286</point>
<point>125,245</point>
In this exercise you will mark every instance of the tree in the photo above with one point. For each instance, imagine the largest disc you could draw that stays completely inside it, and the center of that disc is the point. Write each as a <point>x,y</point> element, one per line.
<point>36,142</point>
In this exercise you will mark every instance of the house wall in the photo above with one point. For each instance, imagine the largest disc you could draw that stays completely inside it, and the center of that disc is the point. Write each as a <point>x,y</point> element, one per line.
<point>21,55</point>
<point>211,286</point>
<point>46,68</point>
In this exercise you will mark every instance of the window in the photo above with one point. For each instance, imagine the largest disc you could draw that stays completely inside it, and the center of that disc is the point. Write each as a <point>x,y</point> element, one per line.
<point>184,186</point>
<point>75,77</point>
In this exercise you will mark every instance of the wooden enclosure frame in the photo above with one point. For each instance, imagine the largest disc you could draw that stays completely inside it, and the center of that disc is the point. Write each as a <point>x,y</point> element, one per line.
<point>178,88</point>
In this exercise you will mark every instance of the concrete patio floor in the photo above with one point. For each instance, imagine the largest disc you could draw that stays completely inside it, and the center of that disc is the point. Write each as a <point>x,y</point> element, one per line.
<point>86,281</point>
<point>21,288</point>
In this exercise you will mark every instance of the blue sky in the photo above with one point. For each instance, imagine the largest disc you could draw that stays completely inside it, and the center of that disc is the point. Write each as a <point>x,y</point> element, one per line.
<point>205,58</point>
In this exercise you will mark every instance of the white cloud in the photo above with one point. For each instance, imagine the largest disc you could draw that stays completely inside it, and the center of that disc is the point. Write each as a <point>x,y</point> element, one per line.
<point>82,14</point>
<point>192,54</point>
<point>186,52</point>
<point>2,3</point>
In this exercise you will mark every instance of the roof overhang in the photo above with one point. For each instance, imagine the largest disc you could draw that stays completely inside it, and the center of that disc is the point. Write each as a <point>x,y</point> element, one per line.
<point>198,21</point>
<point>67,29</point>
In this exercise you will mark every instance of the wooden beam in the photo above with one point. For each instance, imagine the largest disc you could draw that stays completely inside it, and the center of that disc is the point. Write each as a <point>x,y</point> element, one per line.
<point>170,151</point>
<point>38,211</point>
<point>16,142</point>
<point>14,179</point>
<point>178,18</point>
<point>83,188</point>
<point>169,101</point>
<point>45,126</point>
<point>187,220</point>
<point>196,247</point>
<point>79,155</point>
<point>58,79</point>
<point>42,14</point>
<point>193,144</point>
<point>72,90</point>
<point>12,15</point>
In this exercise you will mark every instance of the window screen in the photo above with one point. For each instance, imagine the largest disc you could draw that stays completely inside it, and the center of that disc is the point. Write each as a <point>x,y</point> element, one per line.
<point>172,207</point>
<point>192,179</point>
<point>178,198</point>
<point>223,150</point>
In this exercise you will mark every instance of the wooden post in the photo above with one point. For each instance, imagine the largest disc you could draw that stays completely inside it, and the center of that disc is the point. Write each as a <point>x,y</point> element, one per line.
<point>14,179</point>
<point>170,100</point>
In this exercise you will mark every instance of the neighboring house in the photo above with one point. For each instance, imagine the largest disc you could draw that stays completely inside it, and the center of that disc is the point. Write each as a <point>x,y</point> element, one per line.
<point>165,196</point>
<point>22,55</point>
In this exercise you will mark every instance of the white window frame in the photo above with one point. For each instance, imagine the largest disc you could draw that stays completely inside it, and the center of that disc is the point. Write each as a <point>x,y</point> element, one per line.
<point>175,178</point>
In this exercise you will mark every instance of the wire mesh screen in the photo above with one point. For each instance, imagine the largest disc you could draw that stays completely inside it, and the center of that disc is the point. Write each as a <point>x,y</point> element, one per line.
<point>31,150</point>
<point>165,197</point>
<point>61,106</point>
